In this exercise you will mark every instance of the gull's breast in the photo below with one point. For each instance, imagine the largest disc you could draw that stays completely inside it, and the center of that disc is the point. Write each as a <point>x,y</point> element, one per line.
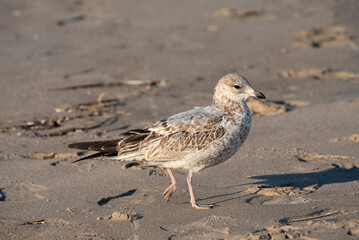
<point>218,151</point>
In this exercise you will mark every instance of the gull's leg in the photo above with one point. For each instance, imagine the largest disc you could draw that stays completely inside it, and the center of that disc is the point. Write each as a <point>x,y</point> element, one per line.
<point>171,188</point>
<point>193,200</point>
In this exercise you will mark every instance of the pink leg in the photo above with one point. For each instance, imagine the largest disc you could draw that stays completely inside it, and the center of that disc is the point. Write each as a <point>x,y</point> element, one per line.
<point>191,193</point>
<point>171,188</point>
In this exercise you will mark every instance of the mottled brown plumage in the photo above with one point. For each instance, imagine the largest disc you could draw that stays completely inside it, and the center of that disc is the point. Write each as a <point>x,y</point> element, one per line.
<point>192,140</point>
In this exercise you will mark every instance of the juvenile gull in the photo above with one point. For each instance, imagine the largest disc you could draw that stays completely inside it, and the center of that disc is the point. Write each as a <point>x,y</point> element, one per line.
<point>192,140</point>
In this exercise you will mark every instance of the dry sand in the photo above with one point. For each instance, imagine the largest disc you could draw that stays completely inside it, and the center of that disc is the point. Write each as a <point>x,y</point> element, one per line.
<point>87,70</point>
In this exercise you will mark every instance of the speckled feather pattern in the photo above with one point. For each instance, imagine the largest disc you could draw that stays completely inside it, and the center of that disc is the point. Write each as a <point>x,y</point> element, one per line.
<point>191,140</point>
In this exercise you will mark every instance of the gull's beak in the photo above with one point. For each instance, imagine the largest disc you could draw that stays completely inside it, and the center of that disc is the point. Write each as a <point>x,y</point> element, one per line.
<point>257,94</point>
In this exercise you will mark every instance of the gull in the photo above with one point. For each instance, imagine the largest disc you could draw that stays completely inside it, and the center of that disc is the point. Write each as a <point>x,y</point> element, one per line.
<point>193,140</point>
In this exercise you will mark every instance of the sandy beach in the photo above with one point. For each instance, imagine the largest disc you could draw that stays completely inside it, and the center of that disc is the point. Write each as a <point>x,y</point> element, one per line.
<point>80,70</point>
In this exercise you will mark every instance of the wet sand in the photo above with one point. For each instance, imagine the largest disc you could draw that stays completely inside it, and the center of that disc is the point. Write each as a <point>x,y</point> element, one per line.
<point>88,70</point>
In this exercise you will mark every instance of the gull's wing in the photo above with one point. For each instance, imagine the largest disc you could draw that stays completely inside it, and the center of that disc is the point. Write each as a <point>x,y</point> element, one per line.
<point>165,140</point>
<point>185,132</point>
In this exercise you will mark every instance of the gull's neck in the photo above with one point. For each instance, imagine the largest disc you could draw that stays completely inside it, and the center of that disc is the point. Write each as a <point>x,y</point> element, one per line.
<point>231,107</point>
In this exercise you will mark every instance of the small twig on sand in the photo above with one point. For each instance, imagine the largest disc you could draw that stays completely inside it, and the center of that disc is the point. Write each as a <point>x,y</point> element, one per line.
<point>302,219</point>
<point>66,131</point>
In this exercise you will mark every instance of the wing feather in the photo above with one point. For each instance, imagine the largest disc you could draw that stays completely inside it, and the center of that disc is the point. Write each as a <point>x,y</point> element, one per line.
<point>99,146</point>
<point>188,131</point>
<point>167,139</point>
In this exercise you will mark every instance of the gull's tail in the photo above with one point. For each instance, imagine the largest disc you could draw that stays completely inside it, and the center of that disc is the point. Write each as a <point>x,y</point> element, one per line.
<point>103,148</point>
<point>126,147</point>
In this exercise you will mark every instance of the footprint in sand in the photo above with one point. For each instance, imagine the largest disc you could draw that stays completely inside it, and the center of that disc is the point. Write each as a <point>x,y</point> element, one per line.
<point>303,227</point>
<point>351,138</point>
<point>211,227</point>
<point>56,228</point>
<point>277,232</point>
<point>120,216</point>
<point>321,37</point>
<point>289,193</point>
<point>223,227</point>
<point>23,191</point>
<point>241,14</point>
<point>321,73</point>
<point>301,186</point>
<point>338,161</point>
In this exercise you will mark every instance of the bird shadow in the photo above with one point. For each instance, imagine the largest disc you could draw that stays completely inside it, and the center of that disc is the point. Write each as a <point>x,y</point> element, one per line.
<point>2,195</point>
<point>300,180</point>
<point>106,200</point>
<point>328,176</point>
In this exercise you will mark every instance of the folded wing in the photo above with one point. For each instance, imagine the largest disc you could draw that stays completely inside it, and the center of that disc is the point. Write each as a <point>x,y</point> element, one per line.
<point>166,140</point>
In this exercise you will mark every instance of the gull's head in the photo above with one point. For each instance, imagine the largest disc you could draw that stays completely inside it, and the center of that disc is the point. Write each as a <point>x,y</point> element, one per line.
<point>235,88</point>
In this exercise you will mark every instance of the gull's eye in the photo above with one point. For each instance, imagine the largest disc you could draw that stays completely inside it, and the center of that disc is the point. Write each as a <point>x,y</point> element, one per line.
<point>236,86</point>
